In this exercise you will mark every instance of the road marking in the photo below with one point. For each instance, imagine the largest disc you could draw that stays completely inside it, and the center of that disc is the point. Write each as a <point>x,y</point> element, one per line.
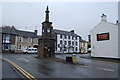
<point>107,69</point>
<point>23,72</point>
<point>111,70</point>
<point>23,59</point>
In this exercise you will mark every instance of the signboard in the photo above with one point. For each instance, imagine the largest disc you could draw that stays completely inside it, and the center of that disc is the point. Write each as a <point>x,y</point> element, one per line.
<point>102,36</point>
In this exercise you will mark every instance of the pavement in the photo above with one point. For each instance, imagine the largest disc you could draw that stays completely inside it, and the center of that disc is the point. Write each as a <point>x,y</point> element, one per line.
<point>88,56</point>
<point>46,68</point>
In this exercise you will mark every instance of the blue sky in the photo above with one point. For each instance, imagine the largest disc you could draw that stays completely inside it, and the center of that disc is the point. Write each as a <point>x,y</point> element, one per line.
<point>80,16</point>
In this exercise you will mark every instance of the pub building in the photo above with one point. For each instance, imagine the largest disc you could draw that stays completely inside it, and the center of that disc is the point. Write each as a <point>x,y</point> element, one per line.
<point>104,39</point>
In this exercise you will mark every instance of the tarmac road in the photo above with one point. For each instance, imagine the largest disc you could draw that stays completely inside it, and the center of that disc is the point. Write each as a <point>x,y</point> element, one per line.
<point>8,72</point>
<point>41,68</point>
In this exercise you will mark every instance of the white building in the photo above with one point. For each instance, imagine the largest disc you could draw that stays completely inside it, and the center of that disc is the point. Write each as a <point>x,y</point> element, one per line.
<point>67,42</point>
<point>104,39</point>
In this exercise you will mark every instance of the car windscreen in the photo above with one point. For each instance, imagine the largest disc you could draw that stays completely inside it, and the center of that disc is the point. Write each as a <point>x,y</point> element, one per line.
<point>29,49</point>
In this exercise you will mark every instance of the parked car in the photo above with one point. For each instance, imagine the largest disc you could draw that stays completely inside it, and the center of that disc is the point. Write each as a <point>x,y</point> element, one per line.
<point>25,50</point>
<point>89,50</point>
<point>30,50</point>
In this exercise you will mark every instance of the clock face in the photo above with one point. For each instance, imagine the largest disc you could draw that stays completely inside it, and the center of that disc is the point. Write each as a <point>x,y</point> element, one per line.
<point>48,30</point>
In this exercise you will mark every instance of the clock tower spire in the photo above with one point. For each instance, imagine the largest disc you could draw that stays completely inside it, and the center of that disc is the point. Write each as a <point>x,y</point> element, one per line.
<point>46,25</point>
<point>47,14</point>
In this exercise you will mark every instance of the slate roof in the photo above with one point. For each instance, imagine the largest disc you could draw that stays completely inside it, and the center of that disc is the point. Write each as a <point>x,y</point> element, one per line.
<point>8,30</point>
<point>11,30</point>
<point>64,32</point>
<point>26,34</point>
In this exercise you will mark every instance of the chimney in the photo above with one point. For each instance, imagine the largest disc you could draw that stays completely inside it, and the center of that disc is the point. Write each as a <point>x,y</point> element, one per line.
<point>72,31</point>
<point>35,32</point>
<point>103,17</point>
<point>13,27</point>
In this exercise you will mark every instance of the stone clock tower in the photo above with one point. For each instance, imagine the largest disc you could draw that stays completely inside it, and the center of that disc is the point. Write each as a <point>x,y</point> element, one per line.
<point>46,44</point>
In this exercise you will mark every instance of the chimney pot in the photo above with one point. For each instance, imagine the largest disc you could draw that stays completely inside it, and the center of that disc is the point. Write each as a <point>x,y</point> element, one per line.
<point>72,31</point>
<point>103,17</point>
<point>35,32</point>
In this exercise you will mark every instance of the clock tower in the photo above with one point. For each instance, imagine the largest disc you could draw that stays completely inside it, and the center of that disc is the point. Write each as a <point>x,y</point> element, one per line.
<point>46,43</point>
<point>46,25</point>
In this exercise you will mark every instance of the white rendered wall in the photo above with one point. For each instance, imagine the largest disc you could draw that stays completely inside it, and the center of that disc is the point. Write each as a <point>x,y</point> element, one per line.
<point>106,48</point>
<point>119,29</point>
<point>63,39</point>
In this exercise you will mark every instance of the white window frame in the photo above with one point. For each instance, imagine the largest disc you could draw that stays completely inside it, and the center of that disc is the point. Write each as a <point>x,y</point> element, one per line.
<point>20,39</point>
<point>29,40</point>
<point>20,48</point>
<point>35,40</point>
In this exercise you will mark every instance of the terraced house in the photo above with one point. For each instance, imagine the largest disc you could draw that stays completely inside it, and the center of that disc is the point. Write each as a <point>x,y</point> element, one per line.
<point>14,40</point>
<point>67,41</point>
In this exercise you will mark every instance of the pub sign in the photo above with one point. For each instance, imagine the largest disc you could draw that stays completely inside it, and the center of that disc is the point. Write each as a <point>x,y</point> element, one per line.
<point>102,36</point>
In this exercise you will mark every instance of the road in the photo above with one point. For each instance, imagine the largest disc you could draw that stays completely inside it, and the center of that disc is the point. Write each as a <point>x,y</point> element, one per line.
<point>40,68</point>
<point>9,71</point>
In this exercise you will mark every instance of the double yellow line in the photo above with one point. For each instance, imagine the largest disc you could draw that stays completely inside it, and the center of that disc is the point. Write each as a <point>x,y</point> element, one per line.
<point>21,70</point>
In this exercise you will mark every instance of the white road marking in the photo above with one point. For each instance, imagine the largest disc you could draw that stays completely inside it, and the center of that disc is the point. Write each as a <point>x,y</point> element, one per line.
<point>23,59</point>
<point>111,70</point>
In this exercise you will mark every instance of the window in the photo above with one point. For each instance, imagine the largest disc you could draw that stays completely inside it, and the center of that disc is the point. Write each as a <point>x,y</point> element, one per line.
<point>60,48</point>
<point>69,42</point>
<point>30,40</point>
<point>76,49</point>
<point>65,49</point>
<point>61,36</point>
<point>68,37</point>
<point>72,37</point>
<point>58,45</point>
<point>6,38</point>
<point>6,46</point>
<point>73,49</point>
<point>36,40</point>
<point>76,43</point>
<point>20,39</point>
<point>65,37</point>
<point>76,38</point>
<point>20,47</point>
<point>65,42</point>
<point>72,43</point>
<point>61,42</point>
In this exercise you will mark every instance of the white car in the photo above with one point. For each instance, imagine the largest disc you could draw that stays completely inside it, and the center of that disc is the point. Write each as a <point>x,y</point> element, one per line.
<point>30,50</point>
<point>89,50</point>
